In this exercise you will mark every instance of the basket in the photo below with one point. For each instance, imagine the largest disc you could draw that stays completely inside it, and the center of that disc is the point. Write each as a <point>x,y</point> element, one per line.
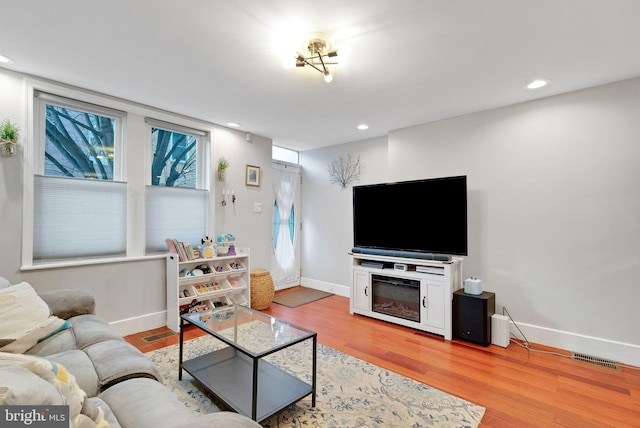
<point>262,290</point>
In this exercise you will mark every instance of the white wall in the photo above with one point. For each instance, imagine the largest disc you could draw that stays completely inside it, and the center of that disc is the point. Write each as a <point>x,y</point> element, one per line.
<point>251,229</point>
<point>132,294</point>
<point>554,211</point>
<point>327,225</point>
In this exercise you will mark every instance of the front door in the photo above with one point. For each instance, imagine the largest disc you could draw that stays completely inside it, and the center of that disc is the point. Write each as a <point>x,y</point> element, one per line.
<point>285,268</point>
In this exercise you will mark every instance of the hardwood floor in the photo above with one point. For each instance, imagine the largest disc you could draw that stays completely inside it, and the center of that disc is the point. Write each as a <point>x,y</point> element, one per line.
<point>518,387</point>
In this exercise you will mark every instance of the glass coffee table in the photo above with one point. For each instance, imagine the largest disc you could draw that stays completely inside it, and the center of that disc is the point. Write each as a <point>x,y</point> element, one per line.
<point>238,374</point>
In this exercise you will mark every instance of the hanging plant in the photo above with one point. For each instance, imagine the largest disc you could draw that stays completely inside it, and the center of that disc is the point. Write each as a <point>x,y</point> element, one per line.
<point>8,137</point>
<point>223,164</point>
<point>344,171</point>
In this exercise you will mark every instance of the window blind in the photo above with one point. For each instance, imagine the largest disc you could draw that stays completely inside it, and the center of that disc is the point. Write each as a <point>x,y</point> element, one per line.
<point>174,212</point>
<point>78,218</point>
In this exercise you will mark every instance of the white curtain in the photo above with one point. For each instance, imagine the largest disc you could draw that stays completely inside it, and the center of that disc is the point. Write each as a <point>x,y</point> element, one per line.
<point>285,184</point>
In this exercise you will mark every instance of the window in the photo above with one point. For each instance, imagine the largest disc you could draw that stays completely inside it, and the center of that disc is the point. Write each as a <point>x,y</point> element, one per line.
<point>176,202</point>
<point>104,186</point>
<point>78,143</point>
<point>174,158</point>
<point>285,155</point>
<point>80,205</point>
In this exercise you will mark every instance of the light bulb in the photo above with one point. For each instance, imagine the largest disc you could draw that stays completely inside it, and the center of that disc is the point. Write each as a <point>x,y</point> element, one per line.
<point>327,76</point>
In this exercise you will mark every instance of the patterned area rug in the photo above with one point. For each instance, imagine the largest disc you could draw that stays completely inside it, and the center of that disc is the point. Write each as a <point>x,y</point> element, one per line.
<point>350,392</point>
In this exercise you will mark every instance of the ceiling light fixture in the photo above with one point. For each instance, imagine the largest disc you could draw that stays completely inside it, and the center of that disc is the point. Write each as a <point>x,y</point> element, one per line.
<point>537,84</point>
<point>318,54</point>
<point>363,126</point>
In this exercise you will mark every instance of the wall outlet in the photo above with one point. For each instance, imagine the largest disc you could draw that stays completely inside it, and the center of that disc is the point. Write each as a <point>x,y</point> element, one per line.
<point>257,207</point>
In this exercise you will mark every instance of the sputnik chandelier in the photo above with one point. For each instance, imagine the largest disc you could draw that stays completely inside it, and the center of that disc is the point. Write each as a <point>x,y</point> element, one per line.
<point>318,54</point>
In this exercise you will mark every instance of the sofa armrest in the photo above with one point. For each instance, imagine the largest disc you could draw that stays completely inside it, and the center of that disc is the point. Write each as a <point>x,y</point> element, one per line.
<point>68,302</point>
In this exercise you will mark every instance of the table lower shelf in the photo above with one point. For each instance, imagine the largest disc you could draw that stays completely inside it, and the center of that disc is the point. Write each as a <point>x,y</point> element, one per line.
<point>228,374</point>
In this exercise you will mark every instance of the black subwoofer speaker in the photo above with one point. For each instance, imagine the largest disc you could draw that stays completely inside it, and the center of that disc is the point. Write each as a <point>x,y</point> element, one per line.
<point>472,316</point>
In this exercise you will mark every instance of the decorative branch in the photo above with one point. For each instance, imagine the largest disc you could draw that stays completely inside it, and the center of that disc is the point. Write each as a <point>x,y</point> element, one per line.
<point>344,172</point>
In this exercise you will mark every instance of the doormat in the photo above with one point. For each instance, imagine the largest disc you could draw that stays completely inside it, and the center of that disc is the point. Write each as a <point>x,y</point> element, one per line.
<point>300,297</point>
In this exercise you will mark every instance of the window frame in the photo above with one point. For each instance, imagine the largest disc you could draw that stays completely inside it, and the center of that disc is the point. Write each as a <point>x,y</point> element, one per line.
<point>203,142</point>
<point>203,167</point>
<point>41,99</point>
<point>135,148</point>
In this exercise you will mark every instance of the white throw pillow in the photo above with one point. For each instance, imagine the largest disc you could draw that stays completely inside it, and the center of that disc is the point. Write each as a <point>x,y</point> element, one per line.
<point>25,319</point>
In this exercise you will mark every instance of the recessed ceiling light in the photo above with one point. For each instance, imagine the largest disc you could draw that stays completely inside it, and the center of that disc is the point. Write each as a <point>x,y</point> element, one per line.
<point>5,59</point>
<point>363,126</point>
<point>233,124</point>
<point>538,83</point>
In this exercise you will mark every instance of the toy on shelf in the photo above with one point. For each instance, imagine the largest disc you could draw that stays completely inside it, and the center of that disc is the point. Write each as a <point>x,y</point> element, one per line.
<point>236,266</point>
<point>206,250</point>
<point>225,244</point>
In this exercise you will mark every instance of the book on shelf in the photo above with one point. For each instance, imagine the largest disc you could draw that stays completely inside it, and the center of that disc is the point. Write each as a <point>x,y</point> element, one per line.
<point>185,251</point>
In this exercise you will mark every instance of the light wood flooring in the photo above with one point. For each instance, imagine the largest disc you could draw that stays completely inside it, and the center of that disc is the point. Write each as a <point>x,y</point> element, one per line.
<point>518,387</point>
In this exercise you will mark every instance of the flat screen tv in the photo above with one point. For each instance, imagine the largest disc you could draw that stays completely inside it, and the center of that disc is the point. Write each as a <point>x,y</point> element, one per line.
<point>415,219</point>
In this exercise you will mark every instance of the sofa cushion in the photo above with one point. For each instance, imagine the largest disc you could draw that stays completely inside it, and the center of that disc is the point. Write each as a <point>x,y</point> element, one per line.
<point>85,331</point>
<point>90,329</point>
<point>62,341</point>
<point>81,367</point>
<point>118,360</point>
<point>146,403</point>
<point>106,410</point>
<point>25,318</point>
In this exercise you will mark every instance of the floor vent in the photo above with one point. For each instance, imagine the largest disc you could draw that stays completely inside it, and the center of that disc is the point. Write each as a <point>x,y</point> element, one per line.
<point>608,364</point>
<point>158,336</point>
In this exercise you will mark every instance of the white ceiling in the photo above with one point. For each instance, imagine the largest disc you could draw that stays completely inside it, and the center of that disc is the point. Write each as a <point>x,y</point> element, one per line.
<point>412,61</point>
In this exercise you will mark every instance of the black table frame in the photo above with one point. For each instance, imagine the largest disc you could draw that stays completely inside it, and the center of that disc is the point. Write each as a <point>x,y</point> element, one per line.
<point>229,373</point>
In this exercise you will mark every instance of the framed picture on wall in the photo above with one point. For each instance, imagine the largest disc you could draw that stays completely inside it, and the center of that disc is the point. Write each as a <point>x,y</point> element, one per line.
<point>253,175</point>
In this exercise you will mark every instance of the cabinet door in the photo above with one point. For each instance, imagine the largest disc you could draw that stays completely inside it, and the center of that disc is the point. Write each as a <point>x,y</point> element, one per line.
<point>432,304</point>
<point>361,291</point>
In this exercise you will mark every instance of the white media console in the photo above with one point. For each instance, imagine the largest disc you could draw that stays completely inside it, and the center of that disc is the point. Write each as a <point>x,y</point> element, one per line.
<point>412,292</point>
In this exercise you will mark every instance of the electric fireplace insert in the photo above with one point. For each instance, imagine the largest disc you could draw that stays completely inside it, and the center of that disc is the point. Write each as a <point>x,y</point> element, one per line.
<point>397,297</point>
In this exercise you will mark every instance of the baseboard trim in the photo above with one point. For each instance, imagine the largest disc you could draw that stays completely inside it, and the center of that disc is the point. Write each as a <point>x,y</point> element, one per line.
<point>621,352</point>
<point>340,290</point>
<point>145,322</point>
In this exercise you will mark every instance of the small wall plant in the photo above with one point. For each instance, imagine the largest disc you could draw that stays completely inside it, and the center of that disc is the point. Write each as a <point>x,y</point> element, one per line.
<point>8,131</point>
<point>223,164</point>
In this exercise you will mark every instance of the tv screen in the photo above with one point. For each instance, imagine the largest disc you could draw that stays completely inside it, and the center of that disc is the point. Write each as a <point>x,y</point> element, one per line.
<point>418,218</point>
